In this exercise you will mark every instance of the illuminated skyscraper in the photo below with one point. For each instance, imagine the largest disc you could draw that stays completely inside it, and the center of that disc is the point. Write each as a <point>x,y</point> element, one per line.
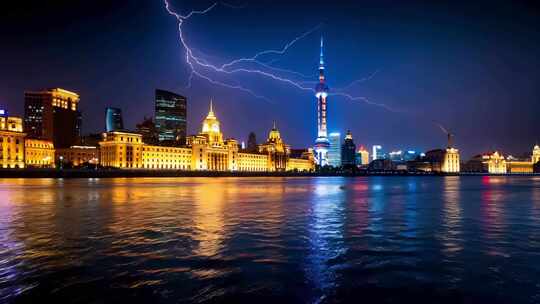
<point>334,150</point>
<point>113,119</point>
<point>170,117</point>
<point>52,114</point>
<point>321,92</point>
<point>363,156</point>
<point>378,152</point>
<point>348,151</point>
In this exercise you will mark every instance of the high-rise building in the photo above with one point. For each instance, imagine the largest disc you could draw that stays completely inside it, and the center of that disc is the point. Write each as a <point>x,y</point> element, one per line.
<point>334,150</point>
<point>170,117</point>
<point>113,119</point>
<point>378,152</point>
<point>321,92</point>
<point>362,156</point>
<point>147,128</point>
<point>348,151</point>
<point>52,114</point>
<point>252,142</point>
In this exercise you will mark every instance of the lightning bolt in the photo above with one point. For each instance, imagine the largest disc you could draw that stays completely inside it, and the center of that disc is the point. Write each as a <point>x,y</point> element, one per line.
<point>441,127</point>
<point>361,80</point>
<point>198,66</point>
<point>267,52</point>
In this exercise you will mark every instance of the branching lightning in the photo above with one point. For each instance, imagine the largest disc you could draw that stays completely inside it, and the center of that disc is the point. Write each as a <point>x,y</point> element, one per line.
<point>201,67</point>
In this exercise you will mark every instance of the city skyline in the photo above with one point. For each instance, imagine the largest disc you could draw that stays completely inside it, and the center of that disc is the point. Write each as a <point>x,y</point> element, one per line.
<point>505,102</point>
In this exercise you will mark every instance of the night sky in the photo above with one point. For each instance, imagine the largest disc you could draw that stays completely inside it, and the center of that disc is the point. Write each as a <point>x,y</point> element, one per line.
<point>472,67</point>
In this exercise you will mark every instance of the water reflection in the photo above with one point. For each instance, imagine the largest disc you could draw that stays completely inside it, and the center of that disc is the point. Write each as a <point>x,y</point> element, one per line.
<point>451,237</point>
<point>241,240</point>
<point>493,224</point>
<point>326,234</point>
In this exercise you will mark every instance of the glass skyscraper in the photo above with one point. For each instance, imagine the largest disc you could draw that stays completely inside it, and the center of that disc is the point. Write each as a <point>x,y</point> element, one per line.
<point>170,117</point>
<point>334,152</point>
<point>348,152</point>
<point>113,119</point>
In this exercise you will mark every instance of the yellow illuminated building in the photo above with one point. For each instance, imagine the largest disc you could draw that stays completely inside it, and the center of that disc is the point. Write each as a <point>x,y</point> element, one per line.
<point>121,150</point>
<point>300,164</point>
<point>451,162</point>
<point>11,142</point>
<point>39,153</point>
<point>78,155</point>
<point>444,160</point>
<point>158,157</point>
<point>496,163</point>
<point>364,156</point>
<point>536,154</point>
<point>252,162</point>
<point>276,150</point>
<point>523,165</point>
<point>206,151</point>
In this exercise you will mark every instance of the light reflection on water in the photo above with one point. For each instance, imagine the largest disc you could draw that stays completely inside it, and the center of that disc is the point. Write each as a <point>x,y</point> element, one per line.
<point>270,239</point>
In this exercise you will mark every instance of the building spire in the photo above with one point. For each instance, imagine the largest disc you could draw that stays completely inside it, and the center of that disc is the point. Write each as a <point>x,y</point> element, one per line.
<point>321,60</point>
<point>274,125</point>
<point>211,111</point>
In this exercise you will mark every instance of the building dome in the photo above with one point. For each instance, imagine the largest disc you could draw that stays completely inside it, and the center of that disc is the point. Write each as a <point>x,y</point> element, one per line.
<point>211,123</point>
<point>274,134</point>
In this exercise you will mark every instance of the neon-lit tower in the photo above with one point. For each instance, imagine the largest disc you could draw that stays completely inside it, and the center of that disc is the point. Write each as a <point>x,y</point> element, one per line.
<point>322,144</point>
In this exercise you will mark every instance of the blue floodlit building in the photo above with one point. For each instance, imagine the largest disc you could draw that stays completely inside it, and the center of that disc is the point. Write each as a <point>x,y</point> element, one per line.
<point>113,119</point>
<point>334,151</point>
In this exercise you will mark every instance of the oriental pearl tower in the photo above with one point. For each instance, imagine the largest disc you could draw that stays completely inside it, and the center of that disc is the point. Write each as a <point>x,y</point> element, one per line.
<point>322,144</point>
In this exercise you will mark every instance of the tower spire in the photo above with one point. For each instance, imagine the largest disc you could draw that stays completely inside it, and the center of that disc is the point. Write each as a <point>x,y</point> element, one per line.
<point>321,58</point>
<point>211,111</point>
<point>274,125</point>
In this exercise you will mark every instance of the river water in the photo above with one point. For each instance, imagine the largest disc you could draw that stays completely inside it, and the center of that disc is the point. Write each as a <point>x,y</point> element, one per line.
<point>431,239</point>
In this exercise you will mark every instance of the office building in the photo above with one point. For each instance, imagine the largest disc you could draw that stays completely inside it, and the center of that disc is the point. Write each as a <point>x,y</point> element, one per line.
<point>147,128</point>
<point>334,150</point>
<point>113,119</point>
<point>52,114</point>
<point>348,151</point>
<point>362,156</point>
<point>378,153</point>
<point>170,117</point>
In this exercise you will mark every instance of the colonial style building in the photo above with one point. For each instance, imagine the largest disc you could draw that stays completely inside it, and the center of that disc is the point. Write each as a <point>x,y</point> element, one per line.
<point>277,151</point>
<point>443,160</point>
<point>11,142</point>
<point>39,153</point>
<point>496,163</point>
<point>77,156</point>
<point>206,151</point>
<point>492,162</point>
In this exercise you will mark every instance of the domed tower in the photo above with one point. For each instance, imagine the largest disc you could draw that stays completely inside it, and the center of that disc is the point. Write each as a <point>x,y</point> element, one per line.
<point>211,128</point>
<point>322,144</point>
<point>277,151</point>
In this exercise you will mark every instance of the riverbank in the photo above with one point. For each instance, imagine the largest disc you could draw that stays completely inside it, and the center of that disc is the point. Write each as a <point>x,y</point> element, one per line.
<point>111,173</point>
